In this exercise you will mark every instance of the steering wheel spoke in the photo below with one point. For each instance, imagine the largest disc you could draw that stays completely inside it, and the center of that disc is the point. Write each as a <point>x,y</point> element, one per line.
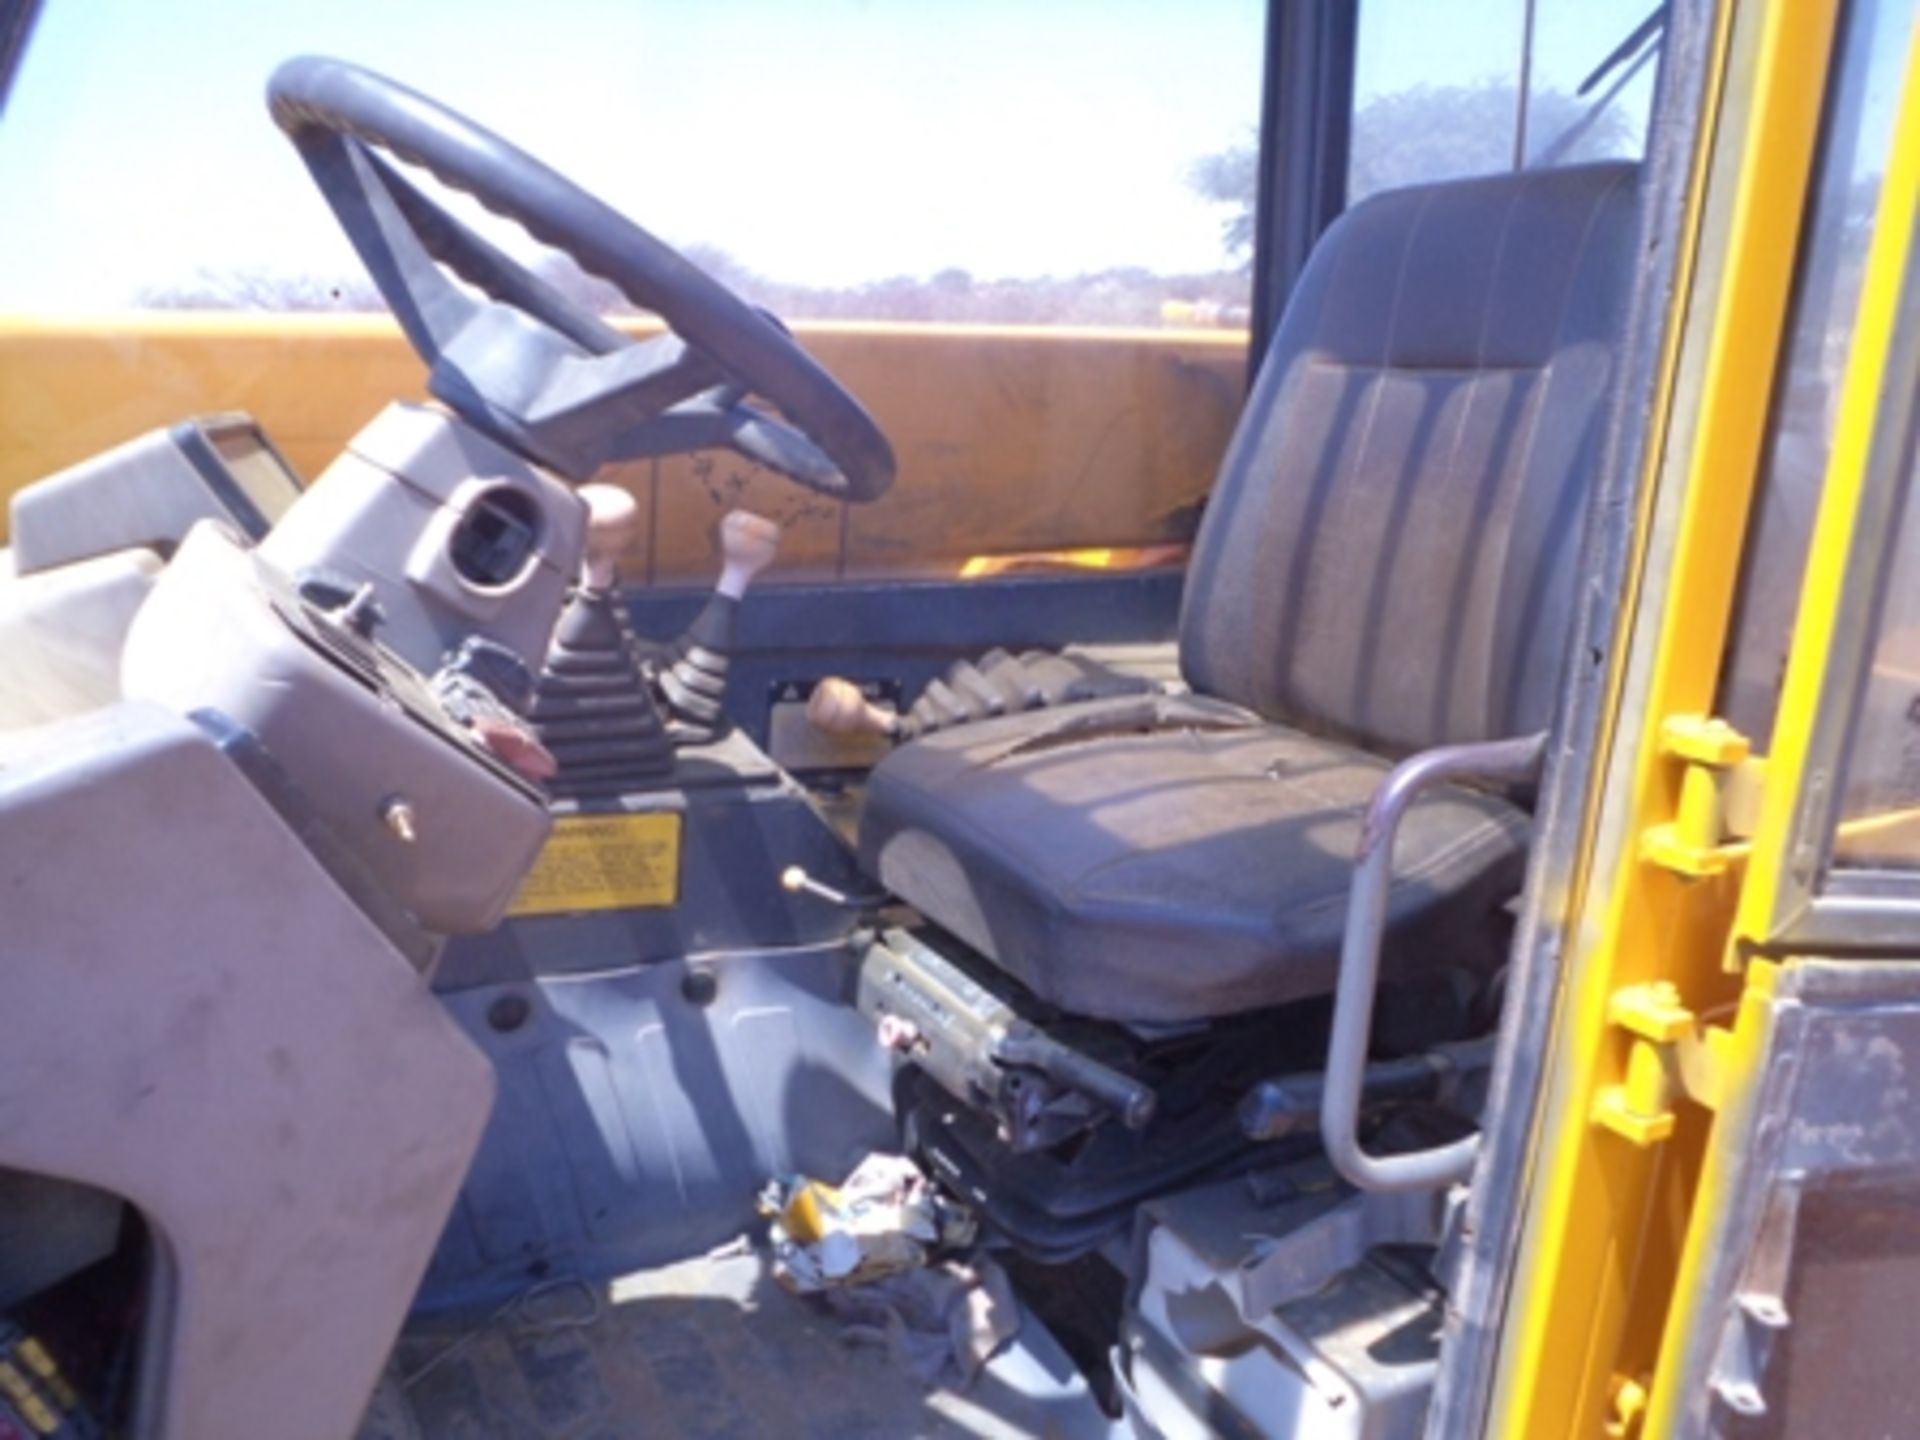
<point>770,441</point>
<point>720,419</point>
<point>489,269</point>
<point>589,401</point>
<point>524,362</point>
<point>431,309</point>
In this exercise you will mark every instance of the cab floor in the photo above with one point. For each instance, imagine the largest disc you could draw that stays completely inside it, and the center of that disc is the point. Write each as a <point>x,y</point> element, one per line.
<point>709,1349</point>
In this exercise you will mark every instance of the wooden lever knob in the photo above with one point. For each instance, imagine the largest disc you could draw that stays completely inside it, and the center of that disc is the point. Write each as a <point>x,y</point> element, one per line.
<point>837,707</point>
<point>613,519</point>
<point>748,543</point>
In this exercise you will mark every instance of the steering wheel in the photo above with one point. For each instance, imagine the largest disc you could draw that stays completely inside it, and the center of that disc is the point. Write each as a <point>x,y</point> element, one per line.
<point>523,362</point>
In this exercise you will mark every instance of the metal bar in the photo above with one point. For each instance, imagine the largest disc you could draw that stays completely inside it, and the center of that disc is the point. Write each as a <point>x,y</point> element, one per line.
<point>1306,115</point>
<point>1132,1101</point>
<point>16,28</point>
<point>1523,92</point>
<point>1290,1104</point>
<point>1505,761</point>
<point>1639,36</point>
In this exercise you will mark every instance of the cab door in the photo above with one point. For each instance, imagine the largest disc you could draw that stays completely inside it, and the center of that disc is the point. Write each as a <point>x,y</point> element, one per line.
<point>1796,1284</point>
<point>1719,1213</point>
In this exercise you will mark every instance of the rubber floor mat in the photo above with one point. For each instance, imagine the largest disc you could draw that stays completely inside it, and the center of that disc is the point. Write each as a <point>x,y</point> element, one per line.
<point>708,1349</point>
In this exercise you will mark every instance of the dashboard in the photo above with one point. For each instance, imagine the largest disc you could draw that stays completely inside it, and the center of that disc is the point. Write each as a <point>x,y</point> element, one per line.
<point>147,493</point>
<point>449,829</point>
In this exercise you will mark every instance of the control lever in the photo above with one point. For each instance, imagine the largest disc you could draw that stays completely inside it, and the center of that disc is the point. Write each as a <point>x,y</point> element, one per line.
<point>592,705</point>
<point>613,518</point>
<point>1290,1104</point>
<point>351,604</point>
<point>796,881</point>
<point>694,686</point>
<point>839,707</point>
<point>1000,682</point>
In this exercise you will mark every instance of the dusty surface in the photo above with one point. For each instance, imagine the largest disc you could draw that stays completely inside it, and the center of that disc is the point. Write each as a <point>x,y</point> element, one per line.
<point>708,1349</point>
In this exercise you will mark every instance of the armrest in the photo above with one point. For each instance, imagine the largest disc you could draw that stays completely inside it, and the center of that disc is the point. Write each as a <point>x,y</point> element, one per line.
<point>1506,761</point>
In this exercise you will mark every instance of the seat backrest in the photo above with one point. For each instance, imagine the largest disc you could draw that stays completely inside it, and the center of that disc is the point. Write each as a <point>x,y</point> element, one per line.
<point>1389,554</point>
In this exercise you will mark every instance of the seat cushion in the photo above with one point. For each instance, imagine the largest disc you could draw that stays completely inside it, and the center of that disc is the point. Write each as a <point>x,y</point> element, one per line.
<point>1160,859</point>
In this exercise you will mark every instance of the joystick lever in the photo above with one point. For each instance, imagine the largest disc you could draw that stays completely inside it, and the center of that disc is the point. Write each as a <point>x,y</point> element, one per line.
<point>592,705</point>
<point>694,685</point>
<point>612,708</point>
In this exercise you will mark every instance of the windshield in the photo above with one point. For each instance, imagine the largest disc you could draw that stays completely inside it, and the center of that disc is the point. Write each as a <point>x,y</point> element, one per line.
<point>990,160</point>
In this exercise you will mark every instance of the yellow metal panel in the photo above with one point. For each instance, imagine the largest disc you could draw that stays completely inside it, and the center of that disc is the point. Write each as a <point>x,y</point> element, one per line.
<point>1774,844</point>
<point>691,492</point>
<point>69,389</point>
<point>1052,442</point>
<point>1605,1218</point>
<point>1009,438</point>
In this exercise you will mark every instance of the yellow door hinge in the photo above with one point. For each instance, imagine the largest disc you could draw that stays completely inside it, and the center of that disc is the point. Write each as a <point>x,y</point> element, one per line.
<point>1672,1055</point>
<point>1719,783</point>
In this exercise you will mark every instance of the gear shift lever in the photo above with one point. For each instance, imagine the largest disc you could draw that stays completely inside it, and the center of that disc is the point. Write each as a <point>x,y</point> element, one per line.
<point>695,684</point>
<point>592,705</point>
<point>613,516</point>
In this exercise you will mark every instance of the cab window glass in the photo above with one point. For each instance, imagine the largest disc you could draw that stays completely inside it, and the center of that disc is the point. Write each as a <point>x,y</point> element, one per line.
<point>921,160</point>
<point>1072,182</point>
<point>1859,130</point>
<point>1446,91</point>
<point>1880,792</point>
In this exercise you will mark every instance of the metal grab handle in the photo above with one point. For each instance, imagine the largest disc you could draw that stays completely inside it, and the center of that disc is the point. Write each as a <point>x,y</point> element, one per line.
<point>1500,760</point>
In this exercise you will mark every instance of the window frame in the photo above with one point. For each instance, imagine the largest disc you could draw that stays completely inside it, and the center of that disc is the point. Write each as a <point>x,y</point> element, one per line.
<point>1306,129</point>
<point>1821,905</point>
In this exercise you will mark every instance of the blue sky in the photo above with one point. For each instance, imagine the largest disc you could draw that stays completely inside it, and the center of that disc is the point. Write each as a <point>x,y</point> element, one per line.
<point>825,142</point>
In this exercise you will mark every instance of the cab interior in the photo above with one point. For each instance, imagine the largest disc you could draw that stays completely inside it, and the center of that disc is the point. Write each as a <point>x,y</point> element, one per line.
<point>444,913</point>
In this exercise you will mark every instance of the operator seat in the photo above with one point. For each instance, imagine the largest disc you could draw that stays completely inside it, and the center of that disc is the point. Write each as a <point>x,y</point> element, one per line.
<point>1386,565</point>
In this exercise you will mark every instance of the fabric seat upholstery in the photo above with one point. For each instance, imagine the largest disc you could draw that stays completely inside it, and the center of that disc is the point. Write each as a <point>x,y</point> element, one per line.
<point>1386,564</point>
<point>1110,854</point>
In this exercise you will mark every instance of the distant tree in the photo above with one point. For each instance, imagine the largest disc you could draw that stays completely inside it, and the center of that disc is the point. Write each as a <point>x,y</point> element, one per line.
<point>1231,177</point>
<point>721,265</point>
<point>590,292</point>
<point>1126,295</point>
<point>1420,134</point>
<point>260,288</point>
<point>1432,131</point>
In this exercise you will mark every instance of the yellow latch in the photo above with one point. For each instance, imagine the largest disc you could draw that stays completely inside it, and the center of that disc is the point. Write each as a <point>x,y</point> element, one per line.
<point>1628,1404</point>
<point>1712,753</point>
<point>1652,1011</point>
<point>1671,1054</point>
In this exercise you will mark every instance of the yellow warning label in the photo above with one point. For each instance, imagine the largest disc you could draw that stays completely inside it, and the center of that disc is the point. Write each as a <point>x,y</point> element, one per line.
<point>604,862</point>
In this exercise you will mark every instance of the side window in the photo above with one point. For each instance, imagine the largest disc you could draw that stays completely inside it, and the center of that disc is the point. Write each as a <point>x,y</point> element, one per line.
<point>1879,826</point>
<point>1859,130</point>
<point>1446,91</point>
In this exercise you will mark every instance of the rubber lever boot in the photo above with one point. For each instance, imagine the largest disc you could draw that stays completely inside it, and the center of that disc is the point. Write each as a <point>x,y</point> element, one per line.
<point>694,686</point>
<point>593,707</point>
